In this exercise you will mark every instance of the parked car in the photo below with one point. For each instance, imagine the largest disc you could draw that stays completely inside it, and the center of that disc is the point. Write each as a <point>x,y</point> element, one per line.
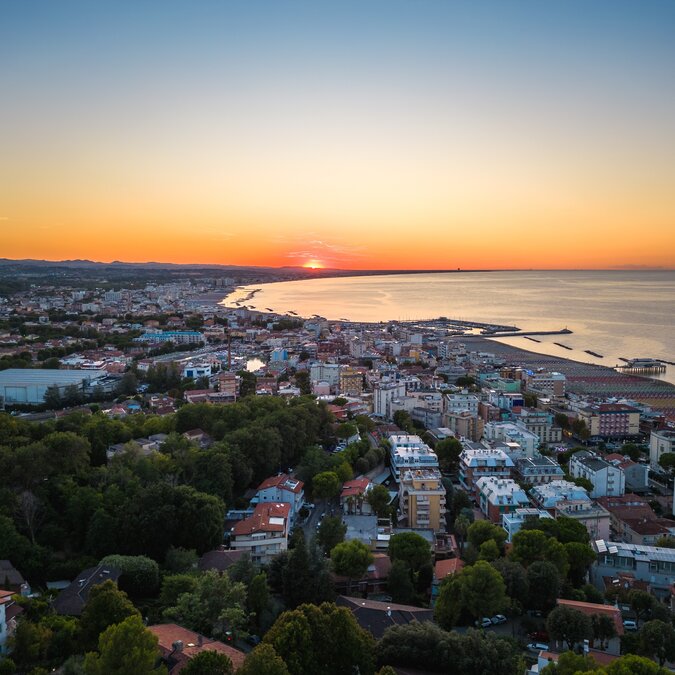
<point>485,622</point>
<point>498,618</point>
<point>629,624</point>
<point>537,647</point>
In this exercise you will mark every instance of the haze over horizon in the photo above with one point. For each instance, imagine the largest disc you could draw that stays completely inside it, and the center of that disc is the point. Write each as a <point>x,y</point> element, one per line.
<point>351,135</point>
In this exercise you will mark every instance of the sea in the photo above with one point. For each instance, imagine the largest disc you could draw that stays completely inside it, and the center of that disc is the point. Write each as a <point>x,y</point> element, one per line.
<point>617,314</point>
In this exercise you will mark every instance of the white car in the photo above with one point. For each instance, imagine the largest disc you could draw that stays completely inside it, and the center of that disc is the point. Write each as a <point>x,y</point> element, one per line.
<point>629,624</point>
<point>485,622</point>
<point>498,618</point>
<point>537,647</point>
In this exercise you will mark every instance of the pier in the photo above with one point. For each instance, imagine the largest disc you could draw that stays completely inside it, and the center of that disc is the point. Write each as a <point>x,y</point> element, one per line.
<point>642,367</point>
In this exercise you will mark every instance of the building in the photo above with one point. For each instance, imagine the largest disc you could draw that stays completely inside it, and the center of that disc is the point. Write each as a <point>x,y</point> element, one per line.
<point>636,473</point>
<point>633,520</point>
<point>549,495</point>
<point>264,534</point>
<point>179,337</point>
<point>464,424</point>
<point>497,496</point>
<point>478,460</point>
<point>540,423</point>
<point>383,395</point>
<point>195,371</point>
<point>228,384</point>
<point>537,469</point>
<point>284,489</point>
<point>591,609</point>
<point>653,565</point>
<point>353,496</point>
<point>9,610</point>
<point>661,441</point>
<point>608,480</point>
<point>611,420</point>
<point>549,384</point>
<point>325,372</point>
<point>408,451</point>
<point>351,382</point>
<point>422,499</point>
<point>178,645</point>
<point>28,386</point>
<point>460,402</point>
<point>513,521</point>
<point>594,517</point>
<point>508,432</point>
<point>72,599</point>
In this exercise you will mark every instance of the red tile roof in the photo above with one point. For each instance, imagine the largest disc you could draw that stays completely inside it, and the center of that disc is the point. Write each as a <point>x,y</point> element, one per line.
<point>355,487</point>
<point>260,520</point>
<point>590,608</point>
<point>168,633</point>
<point>284,482</point>
<point>444,568</point>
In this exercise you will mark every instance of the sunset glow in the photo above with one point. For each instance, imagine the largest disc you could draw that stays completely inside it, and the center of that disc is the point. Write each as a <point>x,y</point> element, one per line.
<point>429,136</point>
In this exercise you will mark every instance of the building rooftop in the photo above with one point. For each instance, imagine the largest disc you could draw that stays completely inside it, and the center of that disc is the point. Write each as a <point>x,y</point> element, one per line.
<point>267,517</point>
<point>636,551</point>
<point>47,376</point>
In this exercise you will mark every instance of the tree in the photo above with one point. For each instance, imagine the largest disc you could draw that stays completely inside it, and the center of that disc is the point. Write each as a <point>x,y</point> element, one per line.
<point>528,546</point>
<point>570,663</point>
<point>258,597</point>
<point>658,640</point>
<point>482,590</point>
<point>448,451</point>
<point>215,607</point>
<point>296,578</point>
<point>488,550</point>
<point>544,582</point>
<point>351,559</point>
<point>140,574</point>
<point>263,660</point>
<point>640,602</point>
<point>331,532</point>
<point>482,530</point>
<point>173,586</point>
<point>667,461</point>
<point>106,605</point>
<point>665,541</point>
<point>448,607</point>
<point>209,662</point>
<point>515,579</point>
<point>462,524</point>
<point>568,625</point>
<point>630,664</point>
<point>128,385</point>
<point>322,639</point>
<point>580,557</point>
<point>603,628</point>
<point>53,397</point>
<point>379,499</point>
<point>399,583</point>
<point>326,485</point>
<point>126,648</point>
<point>411,548</point>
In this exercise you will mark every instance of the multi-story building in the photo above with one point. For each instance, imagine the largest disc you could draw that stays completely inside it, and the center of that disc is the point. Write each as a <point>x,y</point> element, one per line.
<point>179,337</point>
<point>283,489</point>
<point>512,433</point>
<point>228,384</point>
<point>611,420</point>
<point>264,534</point>
<point>460,402</point>
<point>633,520</point>
<point>636,473</point>
<point>325,372</point>
<point>513,521</point>
<point>661,441</point>
<point>464,424</point>
<point>497,496</point>
<point>8,611</point>
<point>591,515</point>
<point>422,499</point>
<point>540,423</point>
<point>549,384</point>
<point>538,469</point>
<point>410,452</point>
<point>351,382</point>
<point>608,480</point>
<point>478,460</point>
<point>383,395</point>
<point>353,498</point>
<point>549,495</point>
<point>652,565</point>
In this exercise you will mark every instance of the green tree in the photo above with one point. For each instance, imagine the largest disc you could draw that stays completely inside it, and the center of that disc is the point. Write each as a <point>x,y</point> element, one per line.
<point>568,625</point>
<point>630,664</point>
<point>326,485</point>
<point>640,602</point>
<point>515,579</point>
<point>296,576</point>
<point>482,530</point>
<point>351,559</point>
<point>603,628</point>
<point>580,557</point>
<point>263,660</point>
<point>399,583</point>
<point>528,546</point>
<point>488,550</point>
<point>140,574</point>
<point>448,607</point>
<point>126,648</point>
<point>31,644</point>
<point>482,590</point>
<point>448,451</point>
<point>570,663</point>
<point>658,640</point>
<point>379,499</point>
<point>107,605</point>
<point>667,461</point>
<point>331,532</point>
<point>462,524</point>
<point>209,662</point>
<point>411,548</point>
<point>258,597</point>
<point>543,579</point>
<point>173,586</point>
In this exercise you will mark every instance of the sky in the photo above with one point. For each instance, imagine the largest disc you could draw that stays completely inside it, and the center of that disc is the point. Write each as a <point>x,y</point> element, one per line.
<point>416,134</point>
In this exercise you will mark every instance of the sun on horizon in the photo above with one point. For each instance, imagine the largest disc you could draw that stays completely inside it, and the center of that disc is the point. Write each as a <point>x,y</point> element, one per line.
<point>313,265</point>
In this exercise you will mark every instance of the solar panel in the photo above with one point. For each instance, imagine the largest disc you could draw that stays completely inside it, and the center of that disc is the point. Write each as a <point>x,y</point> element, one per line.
<point>613,549</point>
<point>600,545</point>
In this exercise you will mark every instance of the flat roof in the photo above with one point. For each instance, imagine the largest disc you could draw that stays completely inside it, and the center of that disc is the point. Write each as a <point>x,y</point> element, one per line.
<point>37,376</point>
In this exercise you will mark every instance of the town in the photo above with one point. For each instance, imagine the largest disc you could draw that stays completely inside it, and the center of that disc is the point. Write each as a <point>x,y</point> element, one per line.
<point>201,478</point>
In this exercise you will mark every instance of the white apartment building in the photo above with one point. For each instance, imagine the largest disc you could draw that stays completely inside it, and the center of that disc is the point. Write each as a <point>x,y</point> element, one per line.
<point>497,496</point>
<point>383,395</point>
<point>457,402</point>
<point>513,522</point>
<point>608,480</point>
<point>548,495</point>
<point>660,442</point>
<point>410,452</point>
<point>264,534</point>
<point>478,460</point>
<point>325,372</point>
<point>512,433</point>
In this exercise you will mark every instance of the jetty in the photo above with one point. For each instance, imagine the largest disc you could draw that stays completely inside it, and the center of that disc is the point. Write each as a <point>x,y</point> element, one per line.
<point>643,367</point>
<point>588,351</point>
<point>560,344</point>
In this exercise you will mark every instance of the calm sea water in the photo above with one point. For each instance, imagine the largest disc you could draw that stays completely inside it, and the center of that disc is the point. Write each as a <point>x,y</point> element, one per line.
<point>614,313</point>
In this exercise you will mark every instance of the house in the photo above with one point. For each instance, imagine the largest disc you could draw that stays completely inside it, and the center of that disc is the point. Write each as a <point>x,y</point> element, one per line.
<point>373,581</point>
<point>661,441</point>
<point>590,609</point>
<point>284,489</point>
<point>178,645</point>
<point>10,578</point>
<point>353,496</point>
<point>198,436</point>
<point>497,496</point>
<point>220,560</point>
<point>443,569</point>
<point>548,495</point>
<point>265,533</point>
<point>9,610</point>
<point>376,616</point>
<point>608,480</point>
<point>633,520</point>
<point>636,473</point>
<point>72,599</point>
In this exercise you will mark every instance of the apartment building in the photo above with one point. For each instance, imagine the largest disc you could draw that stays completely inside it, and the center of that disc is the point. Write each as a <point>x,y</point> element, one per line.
<point>513,521</point>
<point>540,423</point>
<point>661,441</point>
<point>383,395</point>
<point>611,420</point>
<point>351,382</point>
<point>478,460</point>
<point>422,499</point>
<point>459,402</point>
<point>408,451</point>
<point>497,496</point>
<point>537,469</point>
<point>464,424</point>
<point>594,517</point>
<point>512,433</point>
<point>284,489</point>
<point>264,534</point>
<point>549,495</point>
<point>608,480</point>
<point>549,384</point>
